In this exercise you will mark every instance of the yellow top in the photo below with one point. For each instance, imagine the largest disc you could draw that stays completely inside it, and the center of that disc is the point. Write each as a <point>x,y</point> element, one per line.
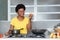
<point>20,24</point>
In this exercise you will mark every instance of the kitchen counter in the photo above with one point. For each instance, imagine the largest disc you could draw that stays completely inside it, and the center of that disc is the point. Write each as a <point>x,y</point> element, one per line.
<point>30,35</point>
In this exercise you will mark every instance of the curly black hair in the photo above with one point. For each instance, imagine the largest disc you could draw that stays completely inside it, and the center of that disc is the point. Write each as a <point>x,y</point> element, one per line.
<point>19,6</point>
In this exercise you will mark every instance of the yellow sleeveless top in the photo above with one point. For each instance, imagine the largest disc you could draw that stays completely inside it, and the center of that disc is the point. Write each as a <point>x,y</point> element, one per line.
<point>20,24</point>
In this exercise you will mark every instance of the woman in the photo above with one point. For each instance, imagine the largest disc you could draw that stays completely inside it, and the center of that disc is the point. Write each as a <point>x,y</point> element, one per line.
<point>20,21</point>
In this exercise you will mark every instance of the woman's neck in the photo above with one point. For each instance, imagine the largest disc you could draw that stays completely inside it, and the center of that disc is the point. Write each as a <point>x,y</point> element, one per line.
<point>20,18</point>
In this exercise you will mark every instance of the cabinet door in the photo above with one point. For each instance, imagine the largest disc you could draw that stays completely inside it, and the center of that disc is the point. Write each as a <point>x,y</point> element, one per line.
<point>25,2</point>
<point>48,2</point>
<point>28,9</point>
<point>3,10</point>
<point>47,16</point>
<point>49,9</point>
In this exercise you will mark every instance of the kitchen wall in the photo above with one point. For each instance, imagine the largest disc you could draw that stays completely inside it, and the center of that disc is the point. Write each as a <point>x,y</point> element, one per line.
<point>4,26</point>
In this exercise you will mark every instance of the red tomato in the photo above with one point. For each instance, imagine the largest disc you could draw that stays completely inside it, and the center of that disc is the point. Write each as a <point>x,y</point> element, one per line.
<point>1,35</point>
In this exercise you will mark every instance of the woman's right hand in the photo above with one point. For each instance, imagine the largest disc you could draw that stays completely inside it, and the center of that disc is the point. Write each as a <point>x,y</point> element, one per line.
<point>10,30</point>
<point>6,34</point>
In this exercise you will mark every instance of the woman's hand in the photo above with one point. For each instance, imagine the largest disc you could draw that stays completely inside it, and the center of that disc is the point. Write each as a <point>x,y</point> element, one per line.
<point>30,16</point>
<point>10,30</point>
<point>6,34</point>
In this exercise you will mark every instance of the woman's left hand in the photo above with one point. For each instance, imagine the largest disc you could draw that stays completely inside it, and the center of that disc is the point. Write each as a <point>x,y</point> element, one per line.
<point>30,16</point>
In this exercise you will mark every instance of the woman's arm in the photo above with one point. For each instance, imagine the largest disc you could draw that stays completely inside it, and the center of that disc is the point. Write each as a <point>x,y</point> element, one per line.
<point>10,30</point>
<point>29,26</point>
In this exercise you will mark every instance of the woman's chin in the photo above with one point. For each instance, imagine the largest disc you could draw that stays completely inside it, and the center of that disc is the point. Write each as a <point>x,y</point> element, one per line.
<point>22,16</point>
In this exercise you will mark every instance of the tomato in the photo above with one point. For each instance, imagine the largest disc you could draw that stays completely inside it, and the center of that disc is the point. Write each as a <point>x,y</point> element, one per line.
<point>1,35</point>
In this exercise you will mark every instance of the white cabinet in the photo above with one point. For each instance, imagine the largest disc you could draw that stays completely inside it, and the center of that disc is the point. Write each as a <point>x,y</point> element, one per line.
<point>48,10</point>
<point>48,2</point>
<point>12,4</point>
<point>25,2</point>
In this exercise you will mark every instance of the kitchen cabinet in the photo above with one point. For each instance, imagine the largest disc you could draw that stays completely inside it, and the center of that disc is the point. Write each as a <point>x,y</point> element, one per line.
<point>25,2</point>
<point>42,9</point>
<point>48,17</point>
<point>28,9</point>
<point>12,4</point>
<point>3,10</point>
<point>48,9</point>
<point>48,2</point>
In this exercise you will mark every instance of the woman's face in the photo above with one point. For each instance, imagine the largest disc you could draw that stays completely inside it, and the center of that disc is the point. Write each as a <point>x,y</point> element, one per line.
<point>21,12</point>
